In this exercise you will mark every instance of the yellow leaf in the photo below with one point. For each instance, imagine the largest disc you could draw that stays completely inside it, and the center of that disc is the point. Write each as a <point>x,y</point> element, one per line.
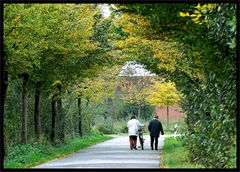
<point>204,6</point>
<point>57,82</point>
<point>197,12</point>
<point>183,14</point>
<point>210,6</point>
<point>195,19</point>
<point>198,6</point>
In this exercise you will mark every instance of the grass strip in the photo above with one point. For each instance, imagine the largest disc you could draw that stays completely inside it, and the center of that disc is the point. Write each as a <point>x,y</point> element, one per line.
<point>174,155</point>
<point>29,155</point>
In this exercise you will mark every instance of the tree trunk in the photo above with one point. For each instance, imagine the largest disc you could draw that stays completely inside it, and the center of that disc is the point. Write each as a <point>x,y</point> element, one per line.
<point>80,116</point>
<point>37,116</point>
<point>71,116</point>
<point>139,111</point>
<point>167,117</point>
<point>144,111</point>
<point>61,115</point>
<point>110,108</point>
<point>53,129</point>
<point>24,108</point>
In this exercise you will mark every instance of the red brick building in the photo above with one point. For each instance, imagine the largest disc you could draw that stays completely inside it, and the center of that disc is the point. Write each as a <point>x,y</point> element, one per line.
<point>174,113</point>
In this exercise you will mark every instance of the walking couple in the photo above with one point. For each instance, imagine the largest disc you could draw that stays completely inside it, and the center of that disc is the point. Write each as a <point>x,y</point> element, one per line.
<point>154,128</point>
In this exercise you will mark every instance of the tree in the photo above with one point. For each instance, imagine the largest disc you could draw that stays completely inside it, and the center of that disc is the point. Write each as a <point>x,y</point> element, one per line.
<point>21,53</point>
<point>49,48</point>
<point>99,88</point>
<point>163,94</point>
<point>133,90</point>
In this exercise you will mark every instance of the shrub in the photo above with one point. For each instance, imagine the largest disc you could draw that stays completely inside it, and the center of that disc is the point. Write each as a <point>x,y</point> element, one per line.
<point>105,129</point>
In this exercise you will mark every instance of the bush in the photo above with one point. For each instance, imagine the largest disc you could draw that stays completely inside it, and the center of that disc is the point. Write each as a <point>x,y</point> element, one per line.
<point>121,126</point>
<point>105,129</point>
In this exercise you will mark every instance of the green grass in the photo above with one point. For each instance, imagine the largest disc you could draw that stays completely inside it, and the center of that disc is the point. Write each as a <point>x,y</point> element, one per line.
<point>170,130</point>
<point>174,155</point>
<point>29,155</point>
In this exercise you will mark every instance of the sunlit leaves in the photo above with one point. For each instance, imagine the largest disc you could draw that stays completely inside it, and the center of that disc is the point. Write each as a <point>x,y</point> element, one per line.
<point>100,87</point>
<point>31,30</point>
<point>22,53</point>
<point>134,89</point>
<point>184,14</point>
<point>163,94</point>
<point>168,53</point>
<point>134,25</point>
<point>141,42</point>
<point>199,15</point>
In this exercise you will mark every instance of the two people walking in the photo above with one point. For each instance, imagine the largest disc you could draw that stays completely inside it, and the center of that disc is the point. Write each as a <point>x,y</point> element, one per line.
<point>154,127</point>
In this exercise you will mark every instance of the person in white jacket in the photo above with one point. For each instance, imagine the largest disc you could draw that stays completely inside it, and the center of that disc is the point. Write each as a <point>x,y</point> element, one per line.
<point>133,126</point>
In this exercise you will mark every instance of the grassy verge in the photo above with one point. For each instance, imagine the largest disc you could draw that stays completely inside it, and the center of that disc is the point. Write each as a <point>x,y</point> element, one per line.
<point>170,130</point>
<point>30,155</point>
<point>174,155</point>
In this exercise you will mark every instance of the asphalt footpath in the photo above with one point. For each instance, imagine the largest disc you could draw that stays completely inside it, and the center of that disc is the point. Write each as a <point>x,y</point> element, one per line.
<point>113,153</point>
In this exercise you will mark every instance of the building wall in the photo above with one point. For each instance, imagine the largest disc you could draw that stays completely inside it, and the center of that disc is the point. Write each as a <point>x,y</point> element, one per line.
<point>174,113</point>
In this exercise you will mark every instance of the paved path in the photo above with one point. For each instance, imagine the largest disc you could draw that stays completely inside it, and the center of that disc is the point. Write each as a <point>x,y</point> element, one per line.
<point>114,153</point>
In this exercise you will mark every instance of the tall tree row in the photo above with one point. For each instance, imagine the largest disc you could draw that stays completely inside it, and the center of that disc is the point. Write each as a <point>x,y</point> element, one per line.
<point>47,48</point>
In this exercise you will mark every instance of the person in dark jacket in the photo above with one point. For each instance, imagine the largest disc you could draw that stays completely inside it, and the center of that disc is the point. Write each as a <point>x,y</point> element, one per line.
<point>154,127</point>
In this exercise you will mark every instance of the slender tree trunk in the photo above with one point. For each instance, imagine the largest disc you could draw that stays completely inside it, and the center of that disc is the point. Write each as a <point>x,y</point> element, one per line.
<point>139,110</point>
<point>144,111</point>
<point>79,102</point>
<point>37,116</point>
<point>88,124</point>
<point>53,129</point>
<point>24,108</point>
<point>61,115</point>
<point>110,108</point>
<point>168,117</point>
<point>71,116</point>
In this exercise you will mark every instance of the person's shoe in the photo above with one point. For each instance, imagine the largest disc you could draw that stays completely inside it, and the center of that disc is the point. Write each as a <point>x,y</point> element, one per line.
<point>152,148</point>
<point>156,148</point>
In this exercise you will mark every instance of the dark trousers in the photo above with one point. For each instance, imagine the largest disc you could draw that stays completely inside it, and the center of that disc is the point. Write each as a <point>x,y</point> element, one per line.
<point>156,142</point>
<point>133,141</point>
